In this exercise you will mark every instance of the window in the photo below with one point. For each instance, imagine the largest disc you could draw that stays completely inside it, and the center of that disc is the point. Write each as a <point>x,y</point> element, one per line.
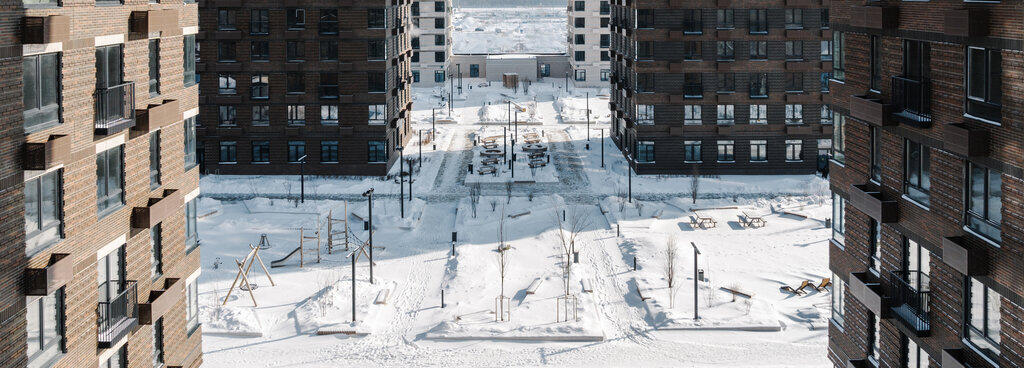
<point>604,22</point>
<point>158,343</point>
<point>438,23</point>
<point>693,87</point>
<point>259,51</point>
<point>839,301</point>
<point>726,82</point>
<point>260,86</point>
<point>645,152</point>
<point>259,21</point>
<point>416,76</point>
<point>644,18</point>
<point>328,85</point>
<point>296,82</point>
<point>44,211</point>
<point>110,180</point>
<point>375,18</point>
<point>759,114</point>
<point>691,50</point>
<point>581,75</point>
<point>644,82</point>
<point>691,152</point>
<point>328,21</point>
<point>838,219</point>
<point>605,56</point>
<point>605,8</point>
<point>226,84</point>
<point>375,81</point>
<point>296,151</point>
<point>726,50</point>
<point>794,81</point>
<point>825,19</point>
<point>439,6</point>
<point>838,56</point>
<point>875,63</point>
<point>415,41</point>
<point>156,257</point>
<point>438,40</point>
<point>692,22</point>
<point>295,50</point>
<point>260,151</point>
<point>580,22</point>
<point>190,55</point>
<point>329,115</point>
<point>41,78</point>
<point>154,159</point>
<point>375,50</point>
<point>120,358</point>
<point>984,75</point>
<point>692,115</point>
<point>726,19</point>
<point>154,67</point>
<point>606,41</point>
<point>794,50</point>
<point>415,8</point>
<point>545,70</point>
<point>875,246</point>
<point>580,39</point>
<point>726,114</point>
<point>110,270</point>
<point>839,139</point>
<point>758,21</point>
<point>645,50</point>
<point>983,318</point>
<point>329,151</point>
<point>227,115</point>
<point>825,76</point>
<point>438,76</point>
<point>794,114</point>
<point>192,306</point>
<point>918,172</point>
<point>328,50</point>
<point>228,152</point>
<point>378,114</point>
<point>758,50</point>
<point>917,264</point>
<point>45,323</point>
<point>916,357</point>
<point>726,152</point>
<point>645,114</point>
<point>985,202</point>
<point>758,150</point>
<point>580,5</point>
<point>190,142</point>
<point>226,20</point>
<point>827,116</point>
<point>296,114</point>
<point>874,347</point>
<point>295,18</point>
<point>260,115</point>
<point>826,50</point>
<point>474,70</point>
<point>226,51</point>
<point>758,85</point>
<point>875,150</point>
<point>794,150</point>
<point>580,56</point>
<point>377,152</point>
<point>794,19</point>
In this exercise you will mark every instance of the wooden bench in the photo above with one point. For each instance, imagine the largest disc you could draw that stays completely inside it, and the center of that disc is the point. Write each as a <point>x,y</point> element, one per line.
<point>657,215</point>
<point>519,214</point>
<point>641,294</point>
<point>737,292</point>
<point>487,170</point>
<point>753,220</point>
<point>534,155</point>
<point>489,161</point>
<point>704,221</point>
<point>531,140</point>
<point>382,297</point>
<point>538,163</point>
<point>490,145</point>
<point>588,287</point>
<point>532,289</point>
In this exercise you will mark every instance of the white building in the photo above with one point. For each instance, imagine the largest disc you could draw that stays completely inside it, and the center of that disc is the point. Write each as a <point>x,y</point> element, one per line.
<point>589,42</point>
<point>431,41</point>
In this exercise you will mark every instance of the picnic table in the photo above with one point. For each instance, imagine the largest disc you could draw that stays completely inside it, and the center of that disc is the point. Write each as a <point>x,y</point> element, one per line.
<point>702,220</point>
<point>531,140</point>
<point>534,155</point>
<point>487,170</point>
<point>538,163</point>
<point>490,145</point>
<point>753,219</point>
<point>489,161</point>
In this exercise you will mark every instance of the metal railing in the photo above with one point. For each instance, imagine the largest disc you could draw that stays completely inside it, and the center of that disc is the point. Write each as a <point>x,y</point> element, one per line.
<point>911,295</point>
<point>118,316</point>
<point>912,99</point>
<point>115,108</point>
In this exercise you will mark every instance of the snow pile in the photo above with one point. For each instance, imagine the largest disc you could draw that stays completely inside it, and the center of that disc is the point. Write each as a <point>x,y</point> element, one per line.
<point>230,320</point>
<point>573,110</point>
<point>509,30</point>
<point>497,110</point>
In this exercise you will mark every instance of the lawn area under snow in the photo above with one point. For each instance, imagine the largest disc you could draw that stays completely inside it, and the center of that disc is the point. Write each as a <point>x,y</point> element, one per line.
<point>509,30</point>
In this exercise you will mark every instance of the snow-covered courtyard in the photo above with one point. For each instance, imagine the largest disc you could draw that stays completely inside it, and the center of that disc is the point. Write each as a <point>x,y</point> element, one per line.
<point>559,264</point>
<point>509,30</point>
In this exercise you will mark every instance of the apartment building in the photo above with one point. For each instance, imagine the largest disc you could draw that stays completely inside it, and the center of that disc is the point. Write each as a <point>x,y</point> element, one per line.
<point>721,87</point>
<point>98,184</point>
<point>313,86</point>
<point>590,42</point>
<point>927,177</point>
<point>431,39</point>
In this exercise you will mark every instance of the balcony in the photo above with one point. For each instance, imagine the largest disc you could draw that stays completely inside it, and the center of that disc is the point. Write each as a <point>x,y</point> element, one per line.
<point>875,17</point>
<point>115,108</point>
<point>48,29</point>
<point>966,22</point>
<point>964,258</point>
<point>871,110</point>
<point>118,316</point>
<point>43,281</point>
<point>156,116</point>
<point>958,358</point>
<point>911,101</point>
<point>911,297</point>
<point>874,204</point>
<point>41,156</point>
<point>157,209</point>
<point>867,288</point>
<point>161,301</point>
<point>961,139</point>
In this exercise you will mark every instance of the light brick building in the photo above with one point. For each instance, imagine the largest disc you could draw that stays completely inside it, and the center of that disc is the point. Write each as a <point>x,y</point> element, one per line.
<point>589,42</point>
<point>431,39</point>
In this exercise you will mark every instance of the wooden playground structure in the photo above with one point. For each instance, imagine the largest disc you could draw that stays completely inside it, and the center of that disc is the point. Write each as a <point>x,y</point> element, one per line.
<point>243,273</point>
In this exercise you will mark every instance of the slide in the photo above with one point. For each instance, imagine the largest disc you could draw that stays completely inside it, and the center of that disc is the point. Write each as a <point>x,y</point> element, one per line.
<point>280,262</point>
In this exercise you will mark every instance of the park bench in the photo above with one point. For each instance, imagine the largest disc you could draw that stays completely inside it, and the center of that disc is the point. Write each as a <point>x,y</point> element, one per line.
<point>532,289</point>
<point>487,170</point>
<point>753,220</point>
<point>702,220</point>
<point>382,297</point>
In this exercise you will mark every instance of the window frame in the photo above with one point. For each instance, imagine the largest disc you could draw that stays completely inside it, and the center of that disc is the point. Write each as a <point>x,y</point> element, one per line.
<point>39,80</point>
<point>920,191</point>
<point>726,151</point>
<point>109,199</point>
<point>794,150</point>
<point>33,242</point>
<point>983,219</point>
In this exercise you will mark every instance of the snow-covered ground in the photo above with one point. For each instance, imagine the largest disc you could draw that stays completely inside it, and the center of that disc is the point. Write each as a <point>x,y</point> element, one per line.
<point>414,263</point>
<point>509,30</point>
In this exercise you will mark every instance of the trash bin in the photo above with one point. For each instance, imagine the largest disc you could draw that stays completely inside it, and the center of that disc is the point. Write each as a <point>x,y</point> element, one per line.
<point>470,168</point>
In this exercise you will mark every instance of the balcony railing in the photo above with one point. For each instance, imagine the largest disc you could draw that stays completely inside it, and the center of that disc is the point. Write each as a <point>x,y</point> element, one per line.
<point>912,101</point>
<point>117,317</point>
<point>911,295</point>
<point>115,108</point>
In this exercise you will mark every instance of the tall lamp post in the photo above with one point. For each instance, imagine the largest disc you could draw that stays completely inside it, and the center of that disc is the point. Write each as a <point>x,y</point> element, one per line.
<point>302,179</point>
<point>629,173</point>
<point>566,81</point>
<point>451,86</point>
<point>696,252</point>
<point>602,148</point>
<point>401,181</point>
<point>459,66</point>
<point>369,197</point>
<point>588,121</point>
<point>433,127</point>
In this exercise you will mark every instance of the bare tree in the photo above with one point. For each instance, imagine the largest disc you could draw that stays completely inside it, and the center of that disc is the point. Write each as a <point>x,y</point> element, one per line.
<point>620,196</point>
<point>503,261</point>
<point>694,183</point>
<point>508,192</point>
<point>494,204</point>
<point>569,231</point>
<point>474,197</point>
<point>639,209</point>
<point>671,253</point>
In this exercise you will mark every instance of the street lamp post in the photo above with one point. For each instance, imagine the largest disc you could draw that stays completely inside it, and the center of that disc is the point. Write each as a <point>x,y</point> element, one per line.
<point>459,66</point>
<point>588,121</point>
<point>421,151</point>
<point>696,252</point>
<point>369,197</point>
<point>401,181</point>
<point>302,179</point>
<point>433,127</point>
<point>602,148</point>
<point>629,173</point>
<point>451,86</point>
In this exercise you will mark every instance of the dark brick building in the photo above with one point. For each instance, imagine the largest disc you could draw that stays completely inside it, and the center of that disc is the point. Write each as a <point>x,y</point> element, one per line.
<point>328,80</point>
<point>98,185</point>
<point>723,87</point>
<point>927,184</point>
